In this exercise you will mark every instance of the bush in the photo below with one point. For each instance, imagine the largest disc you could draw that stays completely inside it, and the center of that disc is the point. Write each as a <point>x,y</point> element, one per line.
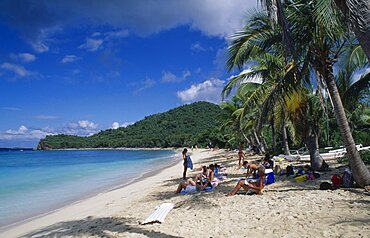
<point>365,156</point>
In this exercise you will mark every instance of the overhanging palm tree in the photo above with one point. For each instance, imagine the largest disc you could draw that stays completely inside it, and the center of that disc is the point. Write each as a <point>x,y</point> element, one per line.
<point>323,47</point>
<point>356,16</point>
<point>260,43</point>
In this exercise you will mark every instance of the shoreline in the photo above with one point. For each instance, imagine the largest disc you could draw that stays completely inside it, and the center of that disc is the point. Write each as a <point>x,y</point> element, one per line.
<point>111,148</point>
<point>117,185</point>
<point>94,205</point>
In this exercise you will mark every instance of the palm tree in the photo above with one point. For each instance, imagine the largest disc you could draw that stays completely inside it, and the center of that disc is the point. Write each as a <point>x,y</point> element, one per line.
<point>356,16</point>
<point>243,118</point>
<point>258,42</point>
<point>305,112</point>
<point>323,47</point>
<point>318,46</point>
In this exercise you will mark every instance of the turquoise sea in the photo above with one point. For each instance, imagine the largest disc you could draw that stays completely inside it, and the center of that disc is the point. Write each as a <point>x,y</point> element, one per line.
<point>35,182</point>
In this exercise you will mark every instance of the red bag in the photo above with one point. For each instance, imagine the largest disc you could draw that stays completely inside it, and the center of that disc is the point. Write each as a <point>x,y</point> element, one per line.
<point>337,180</point>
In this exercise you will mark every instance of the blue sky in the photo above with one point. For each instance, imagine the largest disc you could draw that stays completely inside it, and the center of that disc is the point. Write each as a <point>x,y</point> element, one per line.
<point>78,67</point>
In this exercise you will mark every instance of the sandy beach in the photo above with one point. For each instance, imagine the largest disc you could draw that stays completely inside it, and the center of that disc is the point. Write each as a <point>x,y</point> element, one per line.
<point>286,209</point>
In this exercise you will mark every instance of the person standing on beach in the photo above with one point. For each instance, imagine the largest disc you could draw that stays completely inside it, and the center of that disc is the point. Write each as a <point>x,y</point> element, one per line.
<point>241,154</point>
<point>185,158</point>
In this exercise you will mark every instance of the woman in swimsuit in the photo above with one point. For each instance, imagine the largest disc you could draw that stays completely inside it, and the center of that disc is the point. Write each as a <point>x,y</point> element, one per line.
<point>185,158</point>
<point>256,187</point>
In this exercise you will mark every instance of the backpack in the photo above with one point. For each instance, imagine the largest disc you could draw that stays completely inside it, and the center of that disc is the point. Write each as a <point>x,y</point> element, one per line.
<point>325,186</point>
<point>289,170</point>
<point>336,180</point>
<point>347,179</point>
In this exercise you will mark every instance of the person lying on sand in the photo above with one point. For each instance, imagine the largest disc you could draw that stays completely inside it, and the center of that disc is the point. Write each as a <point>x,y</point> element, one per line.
<point>255,188</point>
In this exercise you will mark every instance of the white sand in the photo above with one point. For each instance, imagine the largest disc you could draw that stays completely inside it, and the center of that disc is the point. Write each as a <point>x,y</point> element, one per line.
<point>286,209</point>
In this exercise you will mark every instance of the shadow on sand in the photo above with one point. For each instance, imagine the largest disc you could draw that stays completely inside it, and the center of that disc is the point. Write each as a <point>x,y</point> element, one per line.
<point>98,227</point>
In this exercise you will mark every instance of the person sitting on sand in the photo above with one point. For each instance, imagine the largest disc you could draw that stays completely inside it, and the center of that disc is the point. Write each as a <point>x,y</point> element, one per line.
<point>251,188</point>
<point>268,163</point>
<point>202,181</point>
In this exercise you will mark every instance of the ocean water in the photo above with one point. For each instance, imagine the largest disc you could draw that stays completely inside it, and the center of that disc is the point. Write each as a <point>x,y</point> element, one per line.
<point>36,182</point>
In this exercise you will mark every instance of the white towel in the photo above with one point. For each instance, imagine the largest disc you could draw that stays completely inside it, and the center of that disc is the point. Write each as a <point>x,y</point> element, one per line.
<point>159,214</point>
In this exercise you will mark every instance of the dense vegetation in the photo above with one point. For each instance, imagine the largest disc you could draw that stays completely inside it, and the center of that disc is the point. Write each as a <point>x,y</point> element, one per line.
<point>194,124</point>
<point>294,47</point>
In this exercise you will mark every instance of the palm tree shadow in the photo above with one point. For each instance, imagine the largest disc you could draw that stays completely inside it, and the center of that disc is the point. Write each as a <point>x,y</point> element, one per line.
<point>97,227</point>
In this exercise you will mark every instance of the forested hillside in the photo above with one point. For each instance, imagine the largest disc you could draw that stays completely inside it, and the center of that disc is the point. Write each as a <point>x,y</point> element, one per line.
<point>187,125</point>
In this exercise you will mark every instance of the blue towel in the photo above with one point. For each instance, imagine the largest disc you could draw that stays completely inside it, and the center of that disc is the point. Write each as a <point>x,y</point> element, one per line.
<point>189,162</point>
<point>207,189</point>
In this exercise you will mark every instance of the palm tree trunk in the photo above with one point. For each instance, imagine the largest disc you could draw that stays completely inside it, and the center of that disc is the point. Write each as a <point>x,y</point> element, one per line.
<point>246,138</point>
<point>273,137</point>
<point>360,172</point>
<point>263,143</point>
<point>258,141</point>
<point>284,138</point>
<point>312,143</point>
<point>357,14</point>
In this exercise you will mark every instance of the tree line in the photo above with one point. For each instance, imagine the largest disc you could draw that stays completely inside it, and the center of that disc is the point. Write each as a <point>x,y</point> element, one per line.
<point>188,125</point>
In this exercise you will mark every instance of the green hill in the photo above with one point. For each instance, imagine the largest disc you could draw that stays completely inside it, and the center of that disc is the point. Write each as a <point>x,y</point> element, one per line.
<point>186,125</point>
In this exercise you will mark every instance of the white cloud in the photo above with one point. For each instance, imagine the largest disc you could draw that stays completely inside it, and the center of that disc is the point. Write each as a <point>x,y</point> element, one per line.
<point>96,34</point>
<point>69,58</point>
<point>85,124</point>
<point>91,44</point>
<point>23,133</point>
<point>144,85</point>
<point>40,47</point>
<point>210,90</point>
<point>211,17</point>
<point>197,47</point>
<point>220,59</point>
<point>11,108</point>
<point>186,74</point>
<point>80,128</point>
<point>24,57</point>
<point>45,117</point>
<point>19,70</point>
<point>169,77</point>
<point>116,34</point>
<point>116,125</point>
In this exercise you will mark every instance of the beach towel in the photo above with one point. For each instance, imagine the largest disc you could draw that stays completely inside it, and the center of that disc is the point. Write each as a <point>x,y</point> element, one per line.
<point>159,214</point>
<point>194,190</point>
<point>189,162</point>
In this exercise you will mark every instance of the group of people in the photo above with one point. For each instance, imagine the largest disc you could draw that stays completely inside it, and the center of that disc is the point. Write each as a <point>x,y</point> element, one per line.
<point>202,181</point>
<point>208,178</point>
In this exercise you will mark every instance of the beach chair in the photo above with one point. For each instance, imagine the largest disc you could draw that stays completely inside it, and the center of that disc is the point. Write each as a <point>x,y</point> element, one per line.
<point>159,214</point>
